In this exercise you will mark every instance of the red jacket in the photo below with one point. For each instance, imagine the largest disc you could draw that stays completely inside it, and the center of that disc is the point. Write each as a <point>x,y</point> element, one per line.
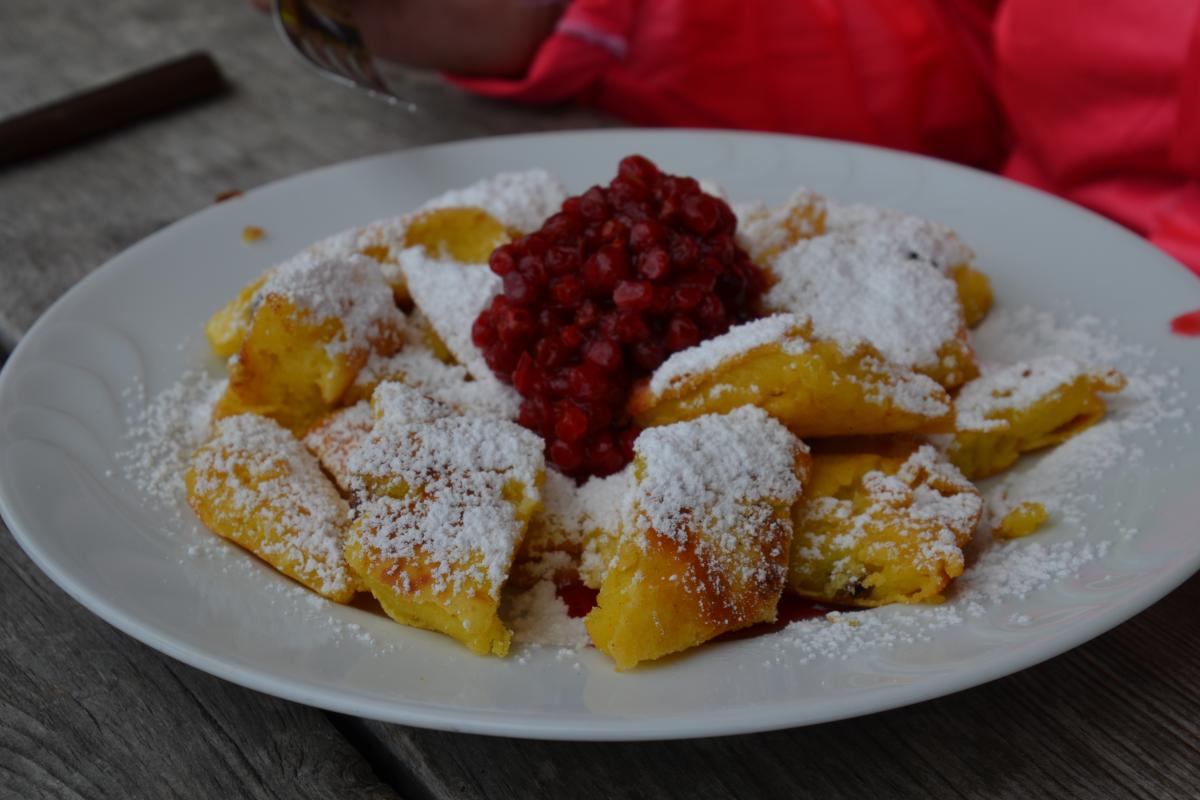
<point>1102,96</point>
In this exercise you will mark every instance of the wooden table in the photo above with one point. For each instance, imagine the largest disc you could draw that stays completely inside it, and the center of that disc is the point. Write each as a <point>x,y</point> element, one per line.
<point>86,711</point>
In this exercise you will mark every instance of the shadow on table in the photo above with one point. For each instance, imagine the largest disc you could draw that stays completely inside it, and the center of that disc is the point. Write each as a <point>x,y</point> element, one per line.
<point>1116,717</point>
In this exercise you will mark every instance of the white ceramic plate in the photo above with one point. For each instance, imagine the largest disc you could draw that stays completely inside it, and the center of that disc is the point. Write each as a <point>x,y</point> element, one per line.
<point>62,411</point>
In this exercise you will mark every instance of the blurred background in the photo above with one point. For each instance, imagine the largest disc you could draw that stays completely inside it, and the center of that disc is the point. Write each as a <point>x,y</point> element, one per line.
<point>65,213</point>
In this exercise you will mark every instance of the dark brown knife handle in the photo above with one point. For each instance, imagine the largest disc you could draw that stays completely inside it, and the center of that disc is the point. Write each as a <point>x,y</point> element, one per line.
<point>153,91</point>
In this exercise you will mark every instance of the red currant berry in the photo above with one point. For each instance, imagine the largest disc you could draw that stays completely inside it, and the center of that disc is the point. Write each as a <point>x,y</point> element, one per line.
<point>567,456</point>
<point>654,264</point>
<point>629,326</point>
<point>520,289</point>
<point>638,169</point>
<point>501,261</point>
<point>648,355</point>
<point>700,213</point>
<point>571,337</point>
<point>684,251</point>
<point>562,227</point>
<point>568,291</point>
<point>646,233</point>
<point>515,325</point>
<point>686,298</point>
<point>606,354</point>
<point>634,295</point>
<point>527,379</point>
<point>483,333</point>
<point>682,333</point>
<point>551,353</point>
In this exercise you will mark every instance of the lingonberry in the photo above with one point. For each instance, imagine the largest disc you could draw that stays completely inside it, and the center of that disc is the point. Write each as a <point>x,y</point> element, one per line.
<point>606,354</point>
<point>570,421</point>
<point>568,291</point>
<point>646,233</point>
<point>634,295</point>
<point>567,456</point>
<point>682,333</point>
<point>622,276</point>
<point>501,261</point>
<point>654,264</point>
<point>520,289</point>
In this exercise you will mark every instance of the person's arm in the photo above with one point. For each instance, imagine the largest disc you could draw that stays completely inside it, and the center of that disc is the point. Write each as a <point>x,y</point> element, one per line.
<point>497,38</point>
<point>466,37</point>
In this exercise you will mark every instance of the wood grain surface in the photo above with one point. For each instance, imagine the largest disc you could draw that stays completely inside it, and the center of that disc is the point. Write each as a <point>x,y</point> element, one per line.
<point>86,712</point>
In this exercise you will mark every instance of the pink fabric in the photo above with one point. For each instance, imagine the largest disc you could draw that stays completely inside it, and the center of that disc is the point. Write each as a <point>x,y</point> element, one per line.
<point>1103,97</point>
<point>901,73</point>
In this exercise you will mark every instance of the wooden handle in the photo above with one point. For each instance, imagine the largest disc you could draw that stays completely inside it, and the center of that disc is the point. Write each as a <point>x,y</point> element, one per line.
<point>144,94</point>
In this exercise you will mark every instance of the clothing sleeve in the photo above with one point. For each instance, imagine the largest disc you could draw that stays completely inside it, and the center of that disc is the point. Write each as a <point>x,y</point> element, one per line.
<point>590,37</point>
<point>908,74</point>
<point>1104,101</point>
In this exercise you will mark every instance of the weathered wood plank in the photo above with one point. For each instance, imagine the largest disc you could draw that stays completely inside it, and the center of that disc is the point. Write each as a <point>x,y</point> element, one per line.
<point>1119,717</point>
<point>62,216</point>
<point>87,712</point>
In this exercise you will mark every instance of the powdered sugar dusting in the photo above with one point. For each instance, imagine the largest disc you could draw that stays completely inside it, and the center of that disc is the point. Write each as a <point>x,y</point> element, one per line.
<point>925,239</point>
<point>333,438</point>
<point>383,237</point>
<point>331,279</point>
<point>712,486</point>
<point>538,616</point>
<point>707,470</point>
<point>763,230</point>
<point>867,286</point>
<point>254,468</point>
<point>1016,386</point>
<point>452,294</point>
<point>520,200</point>
<point>454,473</point>
<point>163,436</point>
<point>924,497</point>
<point>388,233</point>
<point>909,391</point>
<point>349,288</point>
<point>436,452</point>
<point>931,491</point>
<point>571,513</point>
<point>396,403</point>
<point>1057,478</point>
<point>418,367</point>
<point>738,340</point>
<point>884,384</point>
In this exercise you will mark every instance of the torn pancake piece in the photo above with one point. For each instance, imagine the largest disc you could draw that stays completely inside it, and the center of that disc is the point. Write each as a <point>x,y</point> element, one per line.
<point>256,485</point>
<point>572,516</point>
<point>333,437</point>
<point>1025,407</point>
<point>814,385</point>
<point>765,232</point>
<point>443,506</point>
<point>416,365</point>
<point>873,530</point>
<point>869,285</point>
<point>520,201</point>
<point>315,322</point>
<point>705,546</point>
